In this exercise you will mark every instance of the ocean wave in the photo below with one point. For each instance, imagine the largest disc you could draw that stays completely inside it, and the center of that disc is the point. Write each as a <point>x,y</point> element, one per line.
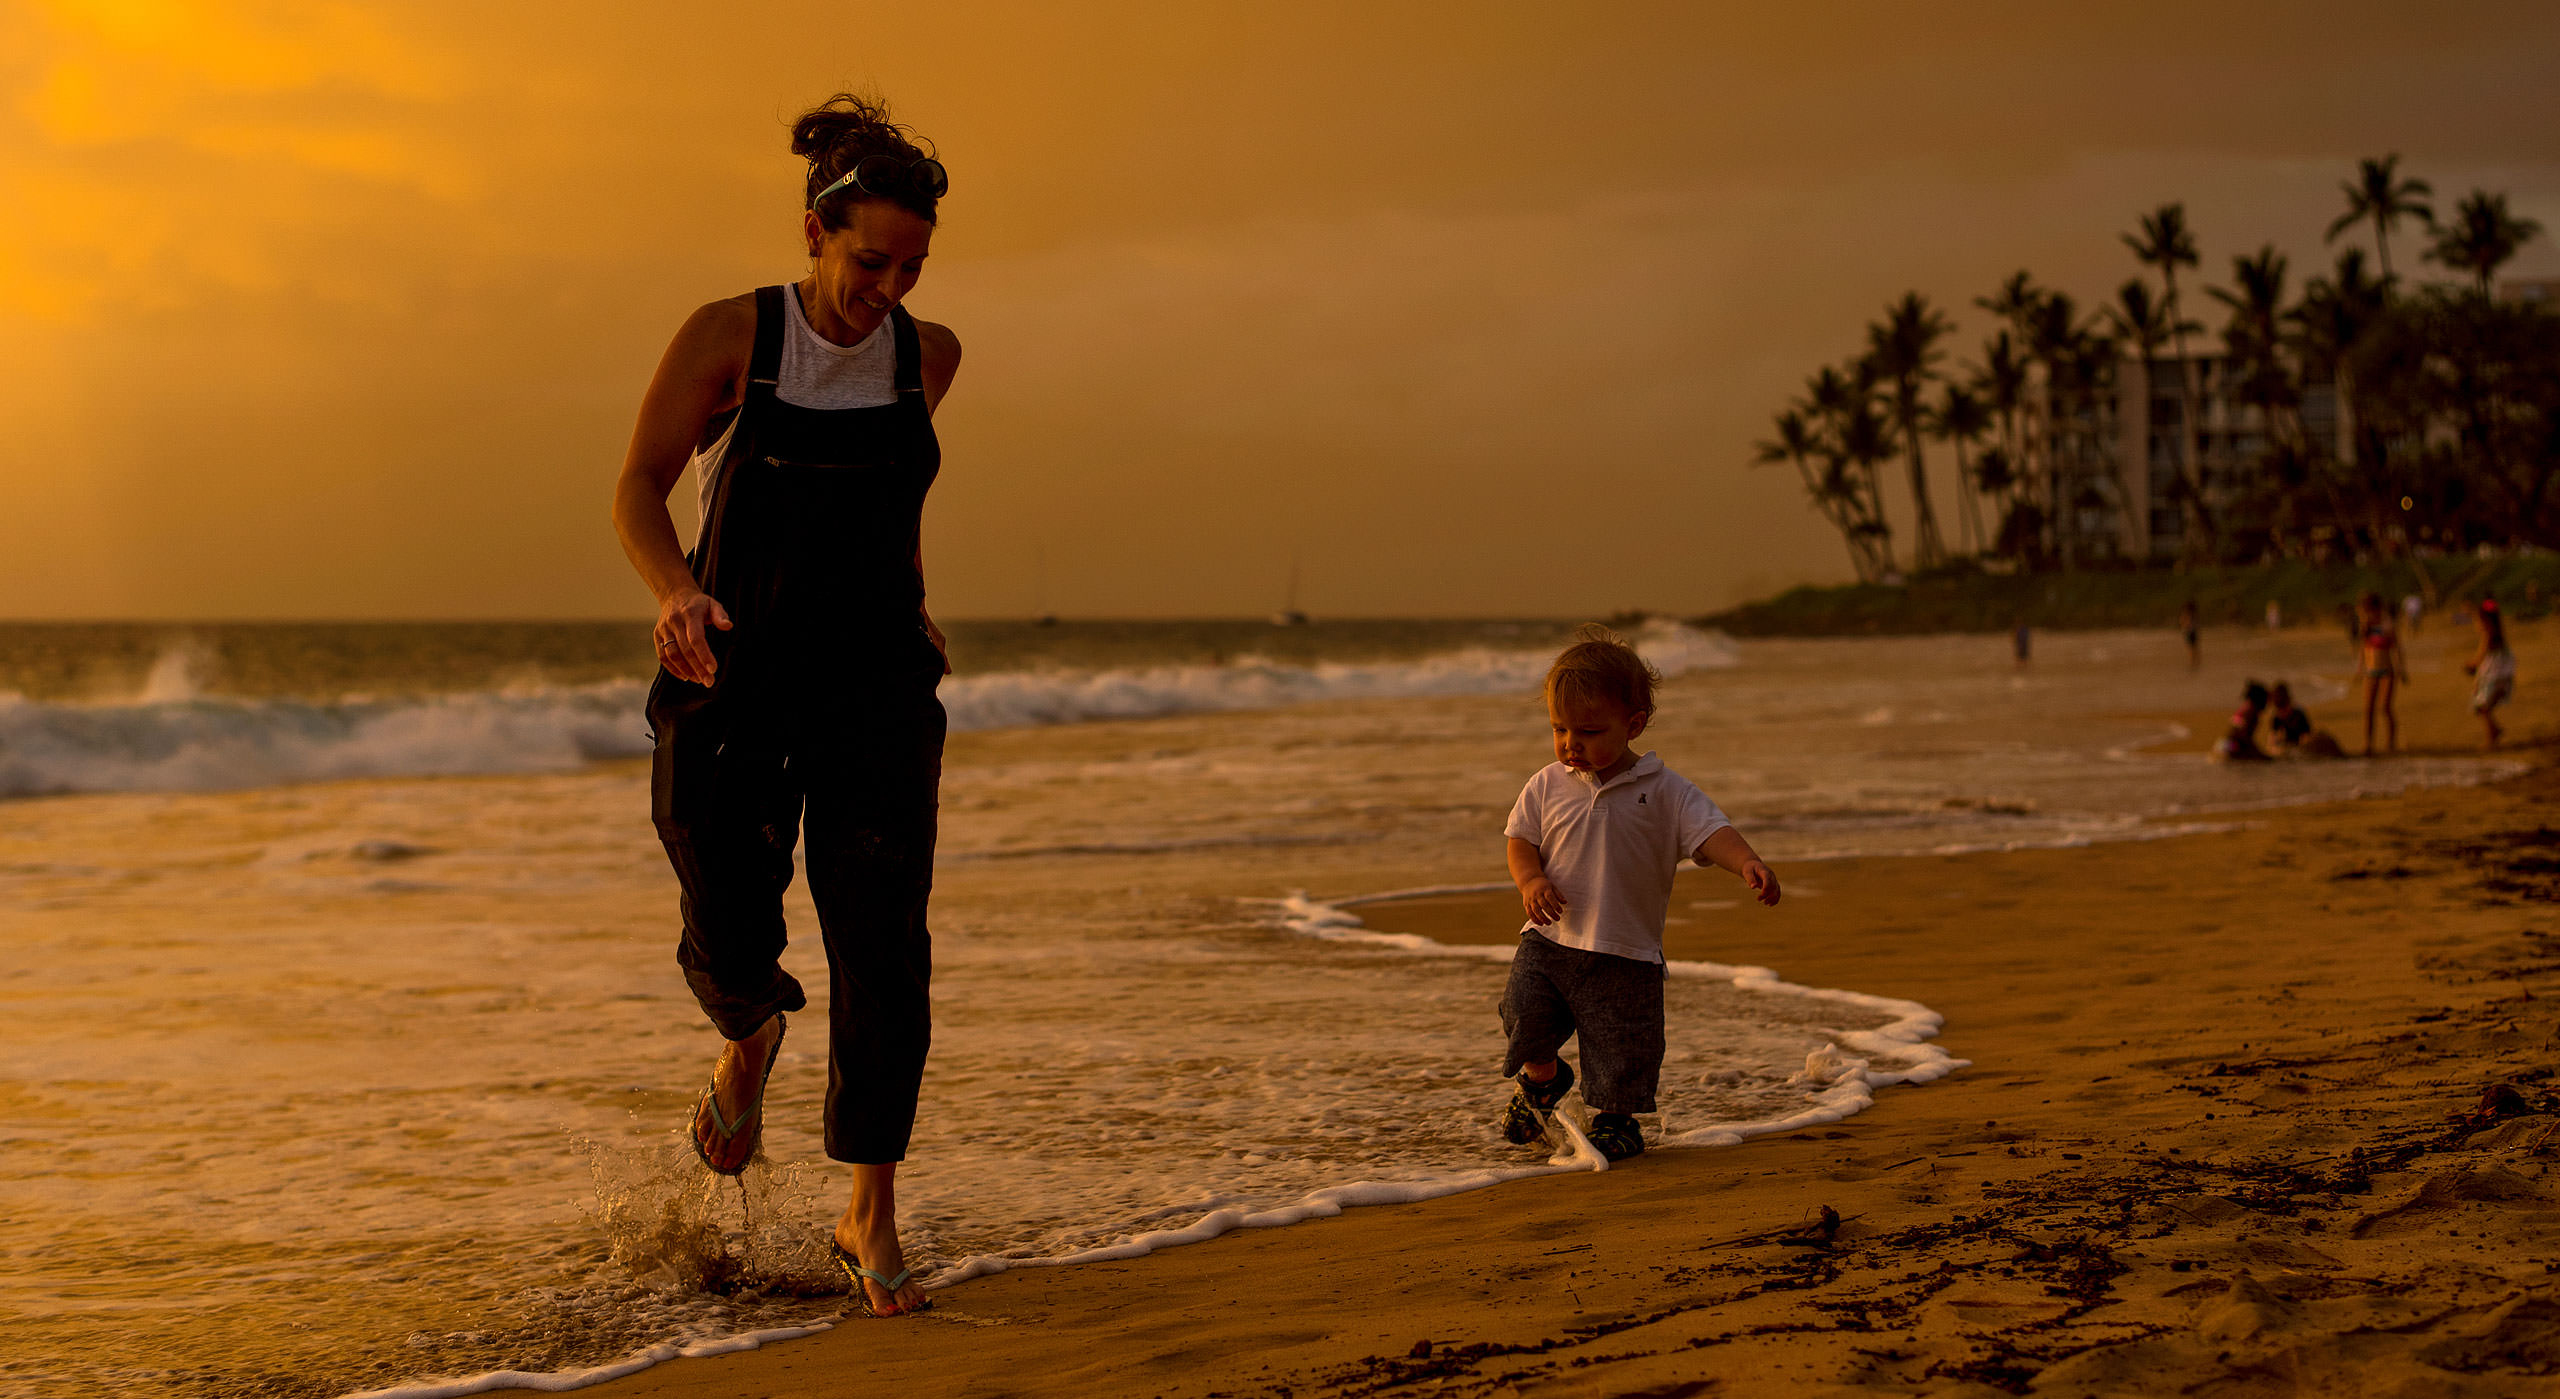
<point>171,737</point>
<point>181,745</point>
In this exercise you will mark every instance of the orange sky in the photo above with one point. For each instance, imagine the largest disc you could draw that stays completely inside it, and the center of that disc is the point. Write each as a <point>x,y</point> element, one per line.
<point>342,309</point>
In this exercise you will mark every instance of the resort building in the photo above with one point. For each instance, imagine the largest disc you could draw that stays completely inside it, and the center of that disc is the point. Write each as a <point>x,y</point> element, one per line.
<point>2531,291</point>
<point>2112,471</point>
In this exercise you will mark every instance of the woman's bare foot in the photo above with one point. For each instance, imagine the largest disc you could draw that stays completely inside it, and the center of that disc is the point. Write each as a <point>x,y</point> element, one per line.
<point>737,1088</point>
<point>869,1231</point>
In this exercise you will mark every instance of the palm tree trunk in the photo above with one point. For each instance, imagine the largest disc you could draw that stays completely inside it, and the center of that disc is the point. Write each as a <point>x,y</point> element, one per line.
<point>2190,482</point>
<point>1927,548</point>
<point>1837,512</point>
<point>1969,512</point>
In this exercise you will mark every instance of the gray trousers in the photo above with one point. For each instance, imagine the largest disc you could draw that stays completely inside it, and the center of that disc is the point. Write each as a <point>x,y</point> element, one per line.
<point>1614,1004</point>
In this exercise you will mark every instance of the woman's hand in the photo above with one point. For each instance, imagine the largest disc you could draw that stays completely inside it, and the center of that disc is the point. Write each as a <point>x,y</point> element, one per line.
<point>1543,902</point>
<point>683,634</point>
<point>933,634</point>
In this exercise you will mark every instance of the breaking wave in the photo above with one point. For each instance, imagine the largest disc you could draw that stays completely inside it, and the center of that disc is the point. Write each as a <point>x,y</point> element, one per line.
<point>171,737</point>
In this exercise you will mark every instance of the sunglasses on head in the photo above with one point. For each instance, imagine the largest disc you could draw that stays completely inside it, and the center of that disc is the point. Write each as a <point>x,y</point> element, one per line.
<point>887,177</point>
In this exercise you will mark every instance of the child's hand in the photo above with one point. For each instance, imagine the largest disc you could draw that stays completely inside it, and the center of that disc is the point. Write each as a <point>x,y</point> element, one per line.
<point>1763,882</point>
<point>1543,902</point>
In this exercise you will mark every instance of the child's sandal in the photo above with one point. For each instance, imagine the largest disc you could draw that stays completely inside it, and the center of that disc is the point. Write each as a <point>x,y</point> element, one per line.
<point>1616,1136</point>
<point>1524,1121</point>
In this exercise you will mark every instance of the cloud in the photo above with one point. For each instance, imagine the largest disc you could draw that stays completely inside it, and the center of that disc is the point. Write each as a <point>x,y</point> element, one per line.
<point>159,147</point>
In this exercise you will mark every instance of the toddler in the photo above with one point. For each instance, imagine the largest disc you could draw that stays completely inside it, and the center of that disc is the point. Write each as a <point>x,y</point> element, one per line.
<point>1593,843</point>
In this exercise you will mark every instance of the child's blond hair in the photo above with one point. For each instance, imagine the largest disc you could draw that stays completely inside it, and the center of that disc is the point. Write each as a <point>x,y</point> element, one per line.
<point>1601,667</point>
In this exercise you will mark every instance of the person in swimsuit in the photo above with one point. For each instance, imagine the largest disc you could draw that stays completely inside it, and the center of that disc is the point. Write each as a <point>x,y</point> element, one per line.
<point>2379,668</point>
<point>2290,729</point>
<point>2492,669</point>
<point>2240,743</point>
<point>795,701</point>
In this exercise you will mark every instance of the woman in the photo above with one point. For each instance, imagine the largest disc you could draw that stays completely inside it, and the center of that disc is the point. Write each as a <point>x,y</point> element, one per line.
<point>796,692</point>
<point>2379,666</point>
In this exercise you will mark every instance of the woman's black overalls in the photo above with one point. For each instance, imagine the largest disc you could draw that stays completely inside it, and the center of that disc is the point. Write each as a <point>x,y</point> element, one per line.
<point>822,715</point>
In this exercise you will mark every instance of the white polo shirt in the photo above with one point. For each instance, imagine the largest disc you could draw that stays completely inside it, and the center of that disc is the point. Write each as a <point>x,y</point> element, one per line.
<point>1611,850</point>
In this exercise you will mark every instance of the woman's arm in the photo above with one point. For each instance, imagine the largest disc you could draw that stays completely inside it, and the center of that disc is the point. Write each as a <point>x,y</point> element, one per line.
<point>699,376</point>
<point>941,353</point>
<point>940,350</point>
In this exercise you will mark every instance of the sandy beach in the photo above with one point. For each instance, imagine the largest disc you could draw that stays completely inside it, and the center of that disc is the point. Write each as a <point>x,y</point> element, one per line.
<point>2263,1111</point>
<point>380,1082</point>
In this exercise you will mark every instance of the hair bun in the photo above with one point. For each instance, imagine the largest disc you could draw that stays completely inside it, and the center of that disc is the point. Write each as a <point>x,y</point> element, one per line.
<point>840,133</point>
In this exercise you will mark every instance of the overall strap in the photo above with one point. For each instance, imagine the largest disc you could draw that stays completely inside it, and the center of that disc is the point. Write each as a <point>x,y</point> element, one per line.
<point>910,372</point>
<point>764,364</point>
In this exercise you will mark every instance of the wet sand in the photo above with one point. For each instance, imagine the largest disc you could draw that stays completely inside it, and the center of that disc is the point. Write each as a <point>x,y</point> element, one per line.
<point>2268,1111</point>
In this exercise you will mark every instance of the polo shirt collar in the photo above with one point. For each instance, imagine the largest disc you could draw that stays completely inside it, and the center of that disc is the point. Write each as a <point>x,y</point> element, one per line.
<point>1645,766</point>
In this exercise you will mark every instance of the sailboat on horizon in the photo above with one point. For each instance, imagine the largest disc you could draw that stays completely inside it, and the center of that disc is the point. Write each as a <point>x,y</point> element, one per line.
<point>1289,615</point>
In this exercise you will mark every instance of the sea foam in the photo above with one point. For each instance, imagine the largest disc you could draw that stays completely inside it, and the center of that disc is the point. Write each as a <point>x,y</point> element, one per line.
<point>1838,1080</point>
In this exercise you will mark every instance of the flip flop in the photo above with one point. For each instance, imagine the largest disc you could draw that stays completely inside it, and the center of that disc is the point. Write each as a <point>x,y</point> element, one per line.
<point>855,1273</point>
<point>727,1131</point>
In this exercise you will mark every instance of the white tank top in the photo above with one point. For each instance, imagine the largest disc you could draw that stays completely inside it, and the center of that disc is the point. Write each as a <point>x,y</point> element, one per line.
<point>815,373</point>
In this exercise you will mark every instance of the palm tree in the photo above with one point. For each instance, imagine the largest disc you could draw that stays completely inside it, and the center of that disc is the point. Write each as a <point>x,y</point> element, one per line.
<point>2001,379</point>
<point>2078,363</point>
<point>2141,321</point>
<point>2256,302</point>
<point>2335,316</point>
<point>1903,347</point>
<point>1834,396</point>
<point>2014,301</point>
<point>1833,491</point>
<point>2165,242</point>
<point>2169,244</point>
<point>2482,237</point>
<point>2337,310</point>
<point>1992,472</point>
<point>2144,324</point>
<point>2378,195</point>
<point>2254,337</point>
<point>1866,441</point>
<point>1961,418</point>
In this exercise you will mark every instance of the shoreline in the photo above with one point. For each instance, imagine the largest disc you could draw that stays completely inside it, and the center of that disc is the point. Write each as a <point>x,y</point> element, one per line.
<point>2087,599</point>
<point>2237,1150</point>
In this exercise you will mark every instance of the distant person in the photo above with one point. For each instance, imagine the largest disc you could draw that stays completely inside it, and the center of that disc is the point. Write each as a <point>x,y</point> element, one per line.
<point>2413,611</point>
<point>2291,730</point>
<point>795,704</point>
<point>2240,743</point>
<point>2187,629</point>
<point>2022,643</point>
<point>2275,615</point>
<point>2492,669</point>
<point>2379,667</point>
<point>1593,844</point>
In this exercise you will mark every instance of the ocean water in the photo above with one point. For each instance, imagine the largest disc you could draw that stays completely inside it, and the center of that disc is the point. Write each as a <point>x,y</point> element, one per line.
<point>344,1049</point>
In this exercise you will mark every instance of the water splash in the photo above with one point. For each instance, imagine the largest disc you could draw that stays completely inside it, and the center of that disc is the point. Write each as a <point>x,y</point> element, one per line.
<point>672,1226</point>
